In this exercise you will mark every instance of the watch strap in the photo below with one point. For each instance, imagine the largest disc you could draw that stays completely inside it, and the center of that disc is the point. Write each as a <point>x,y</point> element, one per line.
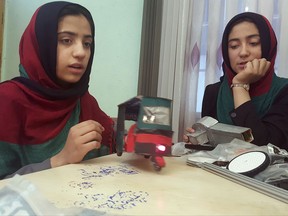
<point>245,86</point>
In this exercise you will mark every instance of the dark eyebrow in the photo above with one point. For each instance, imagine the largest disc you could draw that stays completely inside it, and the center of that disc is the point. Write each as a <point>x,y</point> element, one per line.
<point>73,34</point>
<point>248,37</point>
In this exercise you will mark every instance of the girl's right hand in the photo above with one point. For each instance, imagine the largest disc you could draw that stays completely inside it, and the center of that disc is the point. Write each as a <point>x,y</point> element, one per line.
<point>82,138</point>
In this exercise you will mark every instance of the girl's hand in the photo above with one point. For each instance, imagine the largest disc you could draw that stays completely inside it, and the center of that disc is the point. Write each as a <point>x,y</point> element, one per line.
<point>81,139</point>
<point>185,137</point>
<point>253,71</point>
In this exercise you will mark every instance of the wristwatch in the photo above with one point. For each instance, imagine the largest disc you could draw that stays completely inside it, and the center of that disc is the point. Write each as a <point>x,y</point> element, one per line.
<point>245,86</point>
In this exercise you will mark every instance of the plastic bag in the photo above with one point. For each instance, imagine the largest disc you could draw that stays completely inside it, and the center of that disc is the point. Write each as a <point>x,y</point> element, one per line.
<point>20,197</point>
<point>222,152</point>
<point>276,173</point>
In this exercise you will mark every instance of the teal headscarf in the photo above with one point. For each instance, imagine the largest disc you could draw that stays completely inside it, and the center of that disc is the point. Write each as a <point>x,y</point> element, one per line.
<point>262,92</point>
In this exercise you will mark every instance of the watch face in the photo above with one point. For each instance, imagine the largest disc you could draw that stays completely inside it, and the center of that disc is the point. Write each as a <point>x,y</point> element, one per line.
<point>246,87</point>
<point>249,163</point>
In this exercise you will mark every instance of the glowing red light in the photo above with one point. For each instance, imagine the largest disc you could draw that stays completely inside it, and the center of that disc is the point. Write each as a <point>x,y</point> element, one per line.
<point>161,147</point>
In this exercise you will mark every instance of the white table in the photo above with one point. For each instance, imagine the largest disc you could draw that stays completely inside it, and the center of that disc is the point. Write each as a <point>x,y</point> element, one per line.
<point>134,188</point>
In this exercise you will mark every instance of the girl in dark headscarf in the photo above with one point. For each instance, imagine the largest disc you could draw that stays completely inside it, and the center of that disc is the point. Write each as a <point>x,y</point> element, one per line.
<point>48,118</point>
<point>250,94</point>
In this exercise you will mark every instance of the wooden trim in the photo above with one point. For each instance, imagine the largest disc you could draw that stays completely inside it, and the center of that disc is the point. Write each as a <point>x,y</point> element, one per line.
<point>2,9</point>
<point>150,48</point>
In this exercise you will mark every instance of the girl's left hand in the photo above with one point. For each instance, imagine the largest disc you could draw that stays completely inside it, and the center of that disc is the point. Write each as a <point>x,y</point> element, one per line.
<point>253,71</point>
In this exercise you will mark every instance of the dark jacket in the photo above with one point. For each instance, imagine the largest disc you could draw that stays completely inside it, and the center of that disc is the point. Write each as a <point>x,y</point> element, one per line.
<point>271,128</point>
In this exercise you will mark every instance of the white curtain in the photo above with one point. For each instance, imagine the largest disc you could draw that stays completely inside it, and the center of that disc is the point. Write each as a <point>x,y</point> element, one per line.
<point>191,39</point>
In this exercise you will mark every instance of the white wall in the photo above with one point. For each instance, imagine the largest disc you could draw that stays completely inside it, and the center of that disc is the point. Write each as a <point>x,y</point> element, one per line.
<point>114,76</point>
